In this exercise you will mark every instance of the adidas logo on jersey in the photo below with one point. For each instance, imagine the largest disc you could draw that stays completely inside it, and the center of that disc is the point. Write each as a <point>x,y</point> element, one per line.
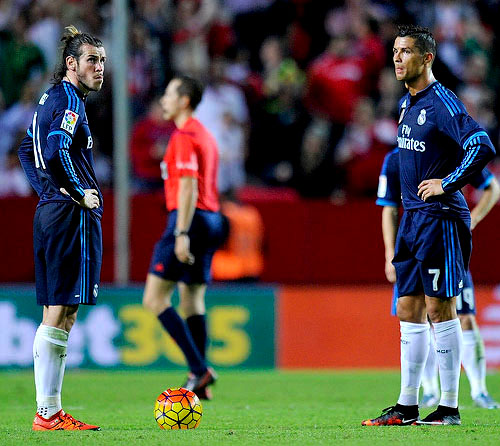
<point>43,99</point>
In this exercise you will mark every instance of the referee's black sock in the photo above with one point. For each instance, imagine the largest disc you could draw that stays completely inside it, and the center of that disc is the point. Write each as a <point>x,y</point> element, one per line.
<point>179,331</point>
<point>198,327</point>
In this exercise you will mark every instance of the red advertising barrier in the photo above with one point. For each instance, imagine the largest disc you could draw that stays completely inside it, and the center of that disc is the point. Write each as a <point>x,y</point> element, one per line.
<point>488,318</point>
<point>351,327</point>
<point>335,327</point>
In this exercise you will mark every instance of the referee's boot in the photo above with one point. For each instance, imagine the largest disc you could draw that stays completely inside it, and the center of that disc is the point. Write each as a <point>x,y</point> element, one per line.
<point>199,384</point>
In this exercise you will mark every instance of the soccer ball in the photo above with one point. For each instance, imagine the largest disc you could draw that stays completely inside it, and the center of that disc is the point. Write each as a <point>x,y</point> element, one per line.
<point>178,408</point>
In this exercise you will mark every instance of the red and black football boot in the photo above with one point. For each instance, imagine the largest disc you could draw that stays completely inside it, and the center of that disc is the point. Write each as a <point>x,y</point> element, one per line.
<point>397,415</point>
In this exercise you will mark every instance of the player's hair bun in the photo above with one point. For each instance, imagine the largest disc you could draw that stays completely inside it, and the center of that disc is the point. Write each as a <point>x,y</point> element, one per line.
<point>69,32</point>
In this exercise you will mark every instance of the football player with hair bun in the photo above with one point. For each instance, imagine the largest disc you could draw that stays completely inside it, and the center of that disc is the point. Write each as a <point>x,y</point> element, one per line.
<point>56,155</point>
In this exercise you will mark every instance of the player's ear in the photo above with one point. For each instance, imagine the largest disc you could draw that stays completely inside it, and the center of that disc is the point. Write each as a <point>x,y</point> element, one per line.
<point>71,63</point>
<point>185,101</point>
<point>428,58</point>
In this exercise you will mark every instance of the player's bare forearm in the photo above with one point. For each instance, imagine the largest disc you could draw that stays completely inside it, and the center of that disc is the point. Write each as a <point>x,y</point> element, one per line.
<point>489,198</point>
<point>430,188</point>
<point>390,217</point>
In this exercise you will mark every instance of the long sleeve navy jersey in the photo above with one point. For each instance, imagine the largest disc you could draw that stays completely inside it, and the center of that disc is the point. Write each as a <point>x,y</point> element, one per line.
<point>439,140</point>
<point>389,186</point>
<point>57,150</point>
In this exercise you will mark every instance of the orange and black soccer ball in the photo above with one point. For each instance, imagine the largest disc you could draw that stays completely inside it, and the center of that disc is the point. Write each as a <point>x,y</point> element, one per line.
<point>178,408</point>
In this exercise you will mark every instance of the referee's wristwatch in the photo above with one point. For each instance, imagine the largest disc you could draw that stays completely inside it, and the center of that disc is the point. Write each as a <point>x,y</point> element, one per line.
<point>178,232</point>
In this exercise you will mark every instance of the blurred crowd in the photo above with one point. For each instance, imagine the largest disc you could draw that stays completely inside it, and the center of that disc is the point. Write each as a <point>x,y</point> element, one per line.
<point>299,93</point>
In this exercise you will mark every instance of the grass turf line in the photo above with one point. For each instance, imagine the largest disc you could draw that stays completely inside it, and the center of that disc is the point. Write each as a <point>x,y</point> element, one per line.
<point>249,408</point>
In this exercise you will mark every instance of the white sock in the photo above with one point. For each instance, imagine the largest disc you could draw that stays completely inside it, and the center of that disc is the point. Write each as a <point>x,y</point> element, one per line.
<point>49,357</point>
<point>414,350</point>
<point>430,382</point>
<point>449,353</point>
<point>474,362</point>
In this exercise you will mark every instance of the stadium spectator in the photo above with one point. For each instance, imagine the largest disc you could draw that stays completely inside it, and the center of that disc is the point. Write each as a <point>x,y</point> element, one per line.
<point>192,20</point>
<point>17,118</point>
<point>13,181</point>
<point>45,29</point>
<point>143,68</point>
<point>335,81</point>
<point>20,60</point>
<point>223,111</point>
<point>364,144</point>
<point>317,176</point>
<point>279,118</point>
<point>477,96</point>
<point>150,136</point>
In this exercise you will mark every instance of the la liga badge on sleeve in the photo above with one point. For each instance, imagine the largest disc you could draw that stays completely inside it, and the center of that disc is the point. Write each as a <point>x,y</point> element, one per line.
<point>69,121</point>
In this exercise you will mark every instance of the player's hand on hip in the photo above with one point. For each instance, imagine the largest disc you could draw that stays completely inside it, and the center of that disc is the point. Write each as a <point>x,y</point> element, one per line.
<point>390,271</point>
<point>430,188</point>
<point>182,249</point>
<point>90,200</point>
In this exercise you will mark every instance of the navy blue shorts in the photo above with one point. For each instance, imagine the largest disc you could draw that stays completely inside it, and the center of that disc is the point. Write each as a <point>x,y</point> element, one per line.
<point>432,255</point>
<point>207,232</point>
<point>67,240</point>
<point>466,300</point>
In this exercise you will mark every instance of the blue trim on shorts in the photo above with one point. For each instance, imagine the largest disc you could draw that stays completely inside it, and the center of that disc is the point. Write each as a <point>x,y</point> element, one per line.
<point>84,265</point>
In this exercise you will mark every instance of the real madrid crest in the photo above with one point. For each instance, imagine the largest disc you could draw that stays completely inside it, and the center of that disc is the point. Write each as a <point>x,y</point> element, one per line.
<point>421,117</point>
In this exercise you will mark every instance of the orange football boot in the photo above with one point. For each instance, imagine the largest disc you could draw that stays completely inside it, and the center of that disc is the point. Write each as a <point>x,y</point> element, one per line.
<point>61,421</point>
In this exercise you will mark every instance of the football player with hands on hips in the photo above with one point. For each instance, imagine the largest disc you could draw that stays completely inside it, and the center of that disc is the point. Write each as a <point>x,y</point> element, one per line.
<point>441,149</point>
<point>473,358</point>
<point>56,155</point>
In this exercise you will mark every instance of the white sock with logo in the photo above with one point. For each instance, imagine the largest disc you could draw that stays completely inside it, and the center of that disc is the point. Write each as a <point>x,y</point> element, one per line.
<point>449,353</point>
<point>414,350</point>
<point>430,381</point>
<point>49,358</point>
<point>474,361</point>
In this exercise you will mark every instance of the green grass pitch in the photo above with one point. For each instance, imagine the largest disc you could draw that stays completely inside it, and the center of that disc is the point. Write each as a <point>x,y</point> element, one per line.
<point>249,408</point>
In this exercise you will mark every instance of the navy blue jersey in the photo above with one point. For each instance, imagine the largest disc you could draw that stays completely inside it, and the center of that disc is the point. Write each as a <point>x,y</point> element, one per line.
<point>57,150</point>
<point>389,188</point>
<point>439,140</point>
<point>482,179</point>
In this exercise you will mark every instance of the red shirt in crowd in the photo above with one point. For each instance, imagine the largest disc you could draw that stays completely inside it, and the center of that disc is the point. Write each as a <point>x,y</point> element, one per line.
<point>146,135</point>
<point>335,85</point>
<point>192,151</point>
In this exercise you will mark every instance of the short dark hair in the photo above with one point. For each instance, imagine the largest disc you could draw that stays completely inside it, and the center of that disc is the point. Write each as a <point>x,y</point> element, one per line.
<point>72,41</point>
<point>190,87</point>
<point>424,40</point>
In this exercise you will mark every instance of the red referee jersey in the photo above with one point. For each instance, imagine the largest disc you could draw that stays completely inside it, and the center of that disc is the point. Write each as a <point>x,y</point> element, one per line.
<point>192,151</point>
